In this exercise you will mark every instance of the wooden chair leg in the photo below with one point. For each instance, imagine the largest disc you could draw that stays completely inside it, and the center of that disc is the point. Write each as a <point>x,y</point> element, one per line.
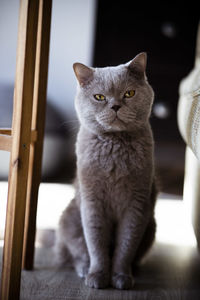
<point>20,152</point>
<point>38,123</point>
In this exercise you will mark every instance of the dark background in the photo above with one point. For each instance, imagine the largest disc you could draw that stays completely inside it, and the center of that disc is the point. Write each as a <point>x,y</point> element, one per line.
<point>168,34</point>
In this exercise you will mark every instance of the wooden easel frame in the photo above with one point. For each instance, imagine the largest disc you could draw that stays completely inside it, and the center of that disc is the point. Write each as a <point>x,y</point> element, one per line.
<point>25,142</point>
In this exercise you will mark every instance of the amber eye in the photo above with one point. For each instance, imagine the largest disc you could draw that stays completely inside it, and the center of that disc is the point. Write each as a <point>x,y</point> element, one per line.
<point>99,97</point>
<point>129,94</point>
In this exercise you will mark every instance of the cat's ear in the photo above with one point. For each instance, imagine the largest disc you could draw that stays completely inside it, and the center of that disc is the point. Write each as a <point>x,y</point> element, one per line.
<point>138,64</point>
<point>83,73</point>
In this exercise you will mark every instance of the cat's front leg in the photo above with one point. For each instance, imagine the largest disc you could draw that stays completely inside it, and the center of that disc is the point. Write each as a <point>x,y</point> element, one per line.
<point>129,234</point>
<point>96,231</point>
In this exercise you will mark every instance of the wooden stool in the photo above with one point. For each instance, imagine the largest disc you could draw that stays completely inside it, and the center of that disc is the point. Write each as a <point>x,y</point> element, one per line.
<point>25,142</point>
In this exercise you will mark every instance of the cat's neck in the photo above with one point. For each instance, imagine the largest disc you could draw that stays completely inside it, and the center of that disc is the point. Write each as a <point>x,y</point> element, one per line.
<point>140,132</point>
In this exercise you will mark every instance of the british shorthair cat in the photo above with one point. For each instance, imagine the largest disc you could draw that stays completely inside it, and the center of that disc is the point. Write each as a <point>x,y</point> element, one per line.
<point>110,224</point>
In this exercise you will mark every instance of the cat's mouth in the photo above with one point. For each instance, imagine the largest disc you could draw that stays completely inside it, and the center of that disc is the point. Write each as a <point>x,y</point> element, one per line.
<point>115,123</point>
<point>117,120</point>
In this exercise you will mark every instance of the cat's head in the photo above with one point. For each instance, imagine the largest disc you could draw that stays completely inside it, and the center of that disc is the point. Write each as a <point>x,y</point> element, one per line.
<point>113,99</point>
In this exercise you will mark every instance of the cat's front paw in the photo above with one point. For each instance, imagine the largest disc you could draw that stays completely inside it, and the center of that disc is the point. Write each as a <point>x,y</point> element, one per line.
<point>98,280</point>
<point>122,281</point>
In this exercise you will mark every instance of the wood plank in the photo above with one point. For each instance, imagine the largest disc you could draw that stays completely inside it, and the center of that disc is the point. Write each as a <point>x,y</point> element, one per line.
<point>34,136</point>
<point>8,138</point>
<point>38,124</point>
<point>7,131</point>
<point>21,131</point>
<point>5,142</point>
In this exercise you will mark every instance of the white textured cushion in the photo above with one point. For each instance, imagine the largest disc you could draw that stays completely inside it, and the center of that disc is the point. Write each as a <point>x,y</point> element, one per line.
<point>189,105</point>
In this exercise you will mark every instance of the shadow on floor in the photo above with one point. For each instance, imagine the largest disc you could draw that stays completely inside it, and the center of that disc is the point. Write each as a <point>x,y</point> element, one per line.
<point>169,272</point>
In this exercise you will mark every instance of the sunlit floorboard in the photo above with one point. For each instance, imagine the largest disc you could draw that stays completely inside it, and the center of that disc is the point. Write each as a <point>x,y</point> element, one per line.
<point>172,215</point>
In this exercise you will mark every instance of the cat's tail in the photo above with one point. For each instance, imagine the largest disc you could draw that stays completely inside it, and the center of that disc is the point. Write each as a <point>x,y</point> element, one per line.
<point>61,257</point>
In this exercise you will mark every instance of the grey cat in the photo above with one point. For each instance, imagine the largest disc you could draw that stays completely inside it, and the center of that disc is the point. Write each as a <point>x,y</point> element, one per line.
<point>110,225</point>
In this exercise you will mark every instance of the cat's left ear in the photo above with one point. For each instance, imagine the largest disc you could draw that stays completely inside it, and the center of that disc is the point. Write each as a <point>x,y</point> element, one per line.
<point>138,64</point>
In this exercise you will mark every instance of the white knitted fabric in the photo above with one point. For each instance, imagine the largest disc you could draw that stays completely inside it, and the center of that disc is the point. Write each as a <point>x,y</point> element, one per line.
<point>189,105</point>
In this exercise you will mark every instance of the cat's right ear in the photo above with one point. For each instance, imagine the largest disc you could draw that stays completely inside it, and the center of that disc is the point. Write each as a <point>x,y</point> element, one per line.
<point>83,73</point>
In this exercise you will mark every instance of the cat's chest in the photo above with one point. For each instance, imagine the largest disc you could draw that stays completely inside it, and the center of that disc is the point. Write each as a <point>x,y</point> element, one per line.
<point>115,157</point>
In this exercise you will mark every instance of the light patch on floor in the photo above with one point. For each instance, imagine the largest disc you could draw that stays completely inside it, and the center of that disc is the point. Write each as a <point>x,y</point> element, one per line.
<point>173,219</point>
<point>174,223</point>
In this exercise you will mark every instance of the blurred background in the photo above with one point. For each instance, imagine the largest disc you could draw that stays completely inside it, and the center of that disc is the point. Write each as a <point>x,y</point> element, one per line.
<point>102,33</point>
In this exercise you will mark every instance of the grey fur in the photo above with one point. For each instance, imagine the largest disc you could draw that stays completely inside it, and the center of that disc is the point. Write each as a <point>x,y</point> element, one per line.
<point>110,225</point>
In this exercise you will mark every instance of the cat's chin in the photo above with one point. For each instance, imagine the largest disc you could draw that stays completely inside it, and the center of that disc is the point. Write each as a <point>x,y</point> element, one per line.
<point>118,125</point>
<point>115,126</point>
<point>111,123</point>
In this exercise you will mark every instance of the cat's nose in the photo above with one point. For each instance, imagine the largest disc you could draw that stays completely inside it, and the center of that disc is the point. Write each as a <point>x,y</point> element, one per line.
<point>116,107</point>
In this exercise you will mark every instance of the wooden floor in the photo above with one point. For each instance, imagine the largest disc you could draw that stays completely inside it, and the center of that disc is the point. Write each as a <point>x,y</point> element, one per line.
<point>169,273</point>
